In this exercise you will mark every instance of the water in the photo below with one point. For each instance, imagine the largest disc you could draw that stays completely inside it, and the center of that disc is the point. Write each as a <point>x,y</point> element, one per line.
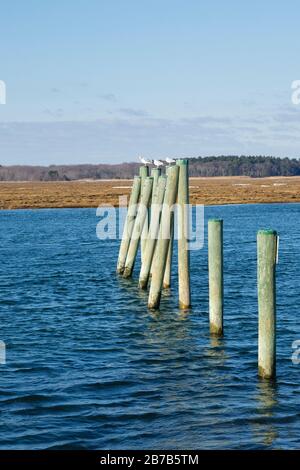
<point>89,367</point>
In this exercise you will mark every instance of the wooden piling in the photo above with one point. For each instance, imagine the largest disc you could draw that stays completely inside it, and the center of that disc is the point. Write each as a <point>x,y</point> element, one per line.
<point>168,268</point>
<point>141,217</point>
<point>266,280</point>
<point>164,238</point>
<point>215,270</point>
<point>155,173</point>
<point>183,231</point>
<point>152,233</point>
<point>129,223</point>
<point>144,173</point>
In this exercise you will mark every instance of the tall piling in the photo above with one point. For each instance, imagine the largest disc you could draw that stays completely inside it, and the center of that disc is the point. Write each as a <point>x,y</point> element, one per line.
<point>129,223</point>
<point>183,233</point>
<point>155,173</point>
<point>163,239</point>
<point>266,280</point>
<point>144,173</point>
<point>141,218</point>
<point>152,233</point>
<point>168,268</point>
<point>215,275</point>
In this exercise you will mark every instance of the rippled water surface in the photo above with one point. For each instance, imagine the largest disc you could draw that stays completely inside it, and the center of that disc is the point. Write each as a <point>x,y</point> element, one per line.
<point>89,367</point>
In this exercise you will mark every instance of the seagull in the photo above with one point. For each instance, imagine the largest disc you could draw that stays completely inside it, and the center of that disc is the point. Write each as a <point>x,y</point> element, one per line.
<point>145,161</point>
<point>158,163</point>
<point>170,160</point>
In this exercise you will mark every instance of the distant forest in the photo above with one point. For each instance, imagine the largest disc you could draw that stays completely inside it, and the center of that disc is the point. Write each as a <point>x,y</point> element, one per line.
<point>255,166</point>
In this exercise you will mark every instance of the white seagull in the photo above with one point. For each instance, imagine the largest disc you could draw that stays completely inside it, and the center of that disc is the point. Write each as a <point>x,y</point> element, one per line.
<point>170,160</point>
<point>158,163</point>
<point>145,161</point>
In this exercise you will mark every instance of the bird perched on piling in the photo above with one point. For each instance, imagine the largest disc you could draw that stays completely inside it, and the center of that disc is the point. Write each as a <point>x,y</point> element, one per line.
<point>158,163</point>
<point>170,160</point>
<point>145,161</point>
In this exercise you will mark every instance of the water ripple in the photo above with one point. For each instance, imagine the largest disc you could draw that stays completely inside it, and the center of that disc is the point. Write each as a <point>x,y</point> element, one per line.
<point>89,367</point>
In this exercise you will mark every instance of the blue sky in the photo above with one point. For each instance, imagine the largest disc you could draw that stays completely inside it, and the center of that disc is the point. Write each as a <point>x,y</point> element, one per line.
<point>103,81</point>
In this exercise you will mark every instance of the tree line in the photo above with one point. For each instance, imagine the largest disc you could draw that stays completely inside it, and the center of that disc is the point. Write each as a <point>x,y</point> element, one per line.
<point>254,166</point>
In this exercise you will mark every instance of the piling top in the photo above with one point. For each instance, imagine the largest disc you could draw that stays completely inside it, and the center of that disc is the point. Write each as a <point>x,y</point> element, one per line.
<point>144,170</point>
<point>215,221</point>
<point>182,161</point>
<point>267,231</point>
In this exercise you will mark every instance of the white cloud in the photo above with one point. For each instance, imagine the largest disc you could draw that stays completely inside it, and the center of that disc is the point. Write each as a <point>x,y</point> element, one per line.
<point>121,139</point>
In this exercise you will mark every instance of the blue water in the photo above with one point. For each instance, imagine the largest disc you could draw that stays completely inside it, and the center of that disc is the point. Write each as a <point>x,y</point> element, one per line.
<point>89,367</point>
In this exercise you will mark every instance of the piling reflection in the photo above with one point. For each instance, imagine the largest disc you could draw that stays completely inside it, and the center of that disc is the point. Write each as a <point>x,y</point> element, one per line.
<point>216,350</point>
<point>264,429</point>
<point>171,329</point>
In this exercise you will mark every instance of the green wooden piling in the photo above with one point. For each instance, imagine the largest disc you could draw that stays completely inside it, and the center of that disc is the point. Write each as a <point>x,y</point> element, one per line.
<point>155,173</point>
<point>141,217</point>
<point>183,231</point>
<point>144,173</point>
<point>164,239</point>
<point>266,280</point>
<point>152,233</point>
<point>168,268</point>
<point>215,270</point>
<point>129,223</point>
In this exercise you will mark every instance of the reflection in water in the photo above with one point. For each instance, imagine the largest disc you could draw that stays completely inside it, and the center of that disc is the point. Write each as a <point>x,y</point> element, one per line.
<point>167,292</point>
<point>263,428</point>
<point>267,396</point>
<point>217,350</point>
<point>169,330</point>
<point>126,284</point>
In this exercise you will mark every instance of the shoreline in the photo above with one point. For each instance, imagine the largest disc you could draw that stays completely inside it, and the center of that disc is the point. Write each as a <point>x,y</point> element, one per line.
<point>209,191</point>
<point>40,208</point>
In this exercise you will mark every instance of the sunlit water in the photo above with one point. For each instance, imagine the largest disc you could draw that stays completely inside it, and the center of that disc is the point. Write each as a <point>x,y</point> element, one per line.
<point>89,367</point>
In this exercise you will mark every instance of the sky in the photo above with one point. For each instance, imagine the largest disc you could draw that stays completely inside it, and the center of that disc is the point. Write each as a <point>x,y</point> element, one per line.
<point>103,81</point>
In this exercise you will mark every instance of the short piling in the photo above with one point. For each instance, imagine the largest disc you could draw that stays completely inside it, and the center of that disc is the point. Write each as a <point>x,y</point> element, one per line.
<point>215,270</point>
<point>266,280</point>
<point>183,233</point>
<point>152,233</point>
<point>129,223</point>
<point>164,239</point>
<point>140,220</point>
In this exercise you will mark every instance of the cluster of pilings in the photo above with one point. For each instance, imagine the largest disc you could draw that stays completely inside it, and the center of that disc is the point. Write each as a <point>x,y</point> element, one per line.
<point>150,224</point>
